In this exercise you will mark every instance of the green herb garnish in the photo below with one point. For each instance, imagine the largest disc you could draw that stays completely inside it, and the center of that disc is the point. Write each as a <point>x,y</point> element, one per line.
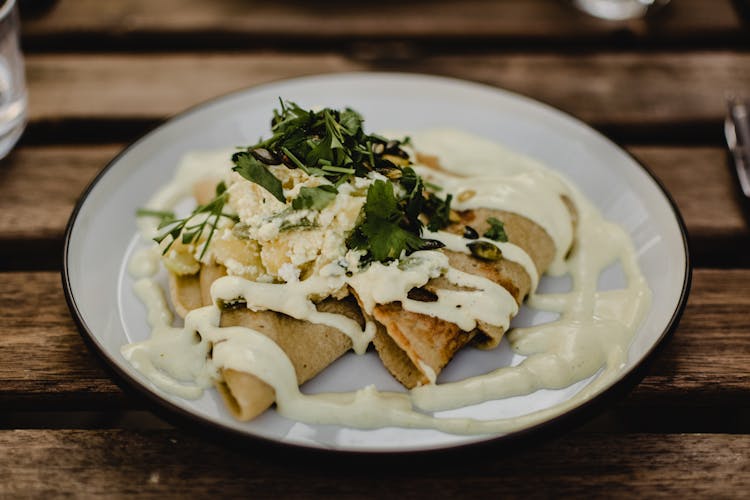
<point>438,211</point>
<point>381,232</point>
<point>249,167</point>
<point>189,233</point>
<point>412,203</point>
<point>333,144</point>
<point>162,215</point>
<point>496,231</point>
<point>327,143</point>
<point>315,198</point>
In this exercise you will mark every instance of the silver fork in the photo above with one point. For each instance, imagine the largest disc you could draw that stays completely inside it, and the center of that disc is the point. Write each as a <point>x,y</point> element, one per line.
<point>737,133</point>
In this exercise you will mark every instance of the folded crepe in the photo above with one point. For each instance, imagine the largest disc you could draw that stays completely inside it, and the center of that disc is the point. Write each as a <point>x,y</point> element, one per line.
<point>416,347</point>
<point>311,347</point>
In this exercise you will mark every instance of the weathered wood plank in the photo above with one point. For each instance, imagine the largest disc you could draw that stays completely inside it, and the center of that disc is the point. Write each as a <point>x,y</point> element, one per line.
<point>149,464</point>
<point>55,175</point>
<point>698,178</point>
<point>116,87</point>
<point>702,184</point>
<point>42,354</point>
<point>713,331</point>
<point>705,363</point>
<point>610,90</point>
<point>241,23</point>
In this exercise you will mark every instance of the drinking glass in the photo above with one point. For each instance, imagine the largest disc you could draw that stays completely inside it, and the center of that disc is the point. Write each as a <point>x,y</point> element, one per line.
<point>12,80</point>
<point>619,10</point>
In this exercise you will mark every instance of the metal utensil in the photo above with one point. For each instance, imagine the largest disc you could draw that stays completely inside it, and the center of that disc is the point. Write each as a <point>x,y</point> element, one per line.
<point>737,133</point>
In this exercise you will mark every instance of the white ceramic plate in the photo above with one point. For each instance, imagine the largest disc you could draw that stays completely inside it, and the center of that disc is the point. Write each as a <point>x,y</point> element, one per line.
<point>101,236</point>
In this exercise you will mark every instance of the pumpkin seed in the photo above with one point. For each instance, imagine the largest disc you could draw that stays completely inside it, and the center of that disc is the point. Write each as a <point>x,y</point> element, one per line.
<point>485,250</point>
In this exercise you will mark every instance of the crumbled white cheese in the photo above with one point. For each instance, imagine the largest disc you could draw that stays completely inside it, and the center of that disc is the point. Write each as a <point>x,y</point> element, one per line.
<point>294,243</point>
<point>289,273</point>
<point>236,268</point>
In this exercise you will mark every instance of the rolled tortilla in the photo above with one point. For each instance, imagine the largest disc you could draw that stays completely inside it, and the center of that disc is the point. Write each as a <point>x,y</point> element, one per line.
<point>191,291</point>
<point>310,347</point>
<point>416,347</point>
<point>185,292</point>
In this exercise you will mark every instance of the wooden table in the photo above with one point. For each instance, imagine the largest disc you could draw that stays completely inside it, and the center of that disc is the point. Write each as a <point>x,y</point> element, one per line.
<point>102,73</point>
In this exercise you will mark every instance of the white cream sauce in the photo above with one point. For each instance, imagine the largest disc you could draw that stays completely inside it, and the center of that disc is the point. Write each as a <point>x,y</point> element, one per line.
<point>513,253</point>
<point>592,334</point>
<point>385,283</point>
<point>145,262</point>
<point>531,194</point>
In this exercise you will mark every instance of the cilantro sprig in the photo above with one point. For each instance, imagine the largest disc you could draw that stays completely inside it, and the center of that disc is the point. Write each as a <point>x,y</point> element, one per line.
<point>249,167</point>
<point>393,224</point>
<point>381,232</point>
<point>496,231</point>
<point>183,229</point>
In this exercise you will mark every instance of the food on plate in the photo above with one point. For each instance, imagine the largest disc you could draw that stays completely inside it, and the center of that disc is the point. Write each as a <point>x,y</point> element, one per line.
<point>310,347</point>
<point>323,238</point>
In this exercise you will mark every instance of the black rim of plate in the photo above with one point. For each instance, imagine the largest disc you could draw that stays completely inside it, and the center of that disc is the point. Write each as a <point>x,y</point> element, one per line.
<point>233,437</point>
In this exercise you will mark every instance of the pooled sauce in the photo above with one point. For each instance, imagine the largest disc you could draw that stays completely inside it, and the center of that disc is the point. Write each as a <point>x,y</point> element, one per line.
<point>592,333</point>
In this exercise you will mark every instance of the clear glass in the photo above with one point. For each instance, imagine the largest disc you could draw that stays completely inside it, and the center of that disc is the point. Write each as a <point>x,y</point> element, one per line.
<point>619,10</point>
<point>13,100</point>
